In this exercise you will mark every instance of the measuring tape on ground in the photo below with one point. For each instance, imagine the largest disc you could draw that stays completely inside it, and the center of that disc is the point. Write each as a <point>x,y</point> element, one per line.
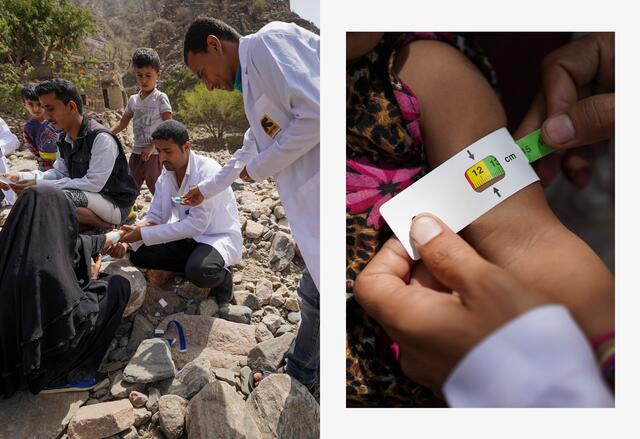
<point>468,184</point>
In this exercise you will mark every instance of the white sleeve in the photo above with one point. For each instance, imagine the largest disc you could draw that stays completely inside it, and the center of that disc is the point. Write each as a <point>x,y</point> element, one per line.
<point>57,176</point>
<point>195,224</point>
<point>539,359</point>
<point>103,157</point>
<point>232,169</point>
<point>294,71</point>
<point>8,141</point>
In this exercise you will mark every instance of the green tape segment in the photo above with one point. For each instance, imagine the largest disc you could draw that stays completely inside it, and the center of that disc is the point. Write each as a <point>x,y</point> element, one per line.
<point>533,146</point>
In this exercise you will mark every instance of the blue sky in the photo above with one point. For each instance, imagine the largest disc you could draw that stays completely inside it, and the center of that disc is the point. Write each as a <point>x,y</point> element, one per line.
<point>308,9</point>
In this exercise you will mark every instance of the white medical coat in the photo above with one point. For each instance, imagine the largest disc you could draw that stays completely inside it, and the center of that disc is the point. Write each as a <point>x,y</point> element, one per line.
<point>8,143</point>
<point>539,359</point>
<point>281,92</point>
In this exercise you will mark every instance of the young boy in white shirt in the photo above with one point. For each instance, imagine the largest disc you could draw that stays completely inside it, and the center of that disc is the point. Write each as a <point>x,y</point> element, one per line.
<point>147,109</point>
<point>201,241</point>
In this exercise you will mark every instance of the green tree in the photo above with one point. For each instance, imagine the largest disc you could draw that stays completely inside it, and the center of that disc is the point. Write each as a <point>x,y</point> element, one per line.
<point>218,111</point>
<point>34,33</point>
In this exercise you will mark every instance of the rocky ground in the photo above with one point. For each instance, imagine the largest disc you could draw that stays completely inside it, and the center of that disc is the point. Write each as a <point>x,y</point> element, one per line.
<point>151,389</point>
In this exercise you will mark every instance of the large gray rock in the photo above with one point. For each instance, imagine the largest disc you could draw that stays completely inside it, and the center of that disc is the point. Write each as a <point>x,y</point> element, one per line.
<point>126,269</point>
<point>195,375</point>
<point>28,416</point>
<point>101,420</point>
<point>151,362</point>
<point>235,313</point>
<point>269,354</point>
<point>142,329</point>
<point>282,251</point>
<point>264,291</point>
<point>172,411</point>
<point>284,408</point>
<point>246,298</point>
<point>253,230</point>
<point>231,419</point>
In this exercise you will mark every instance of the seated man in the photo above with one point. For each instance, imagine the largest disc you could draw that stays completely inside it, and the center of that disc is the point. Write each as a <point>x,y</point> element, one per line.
<point>91,167</point>
<point>200,241</point>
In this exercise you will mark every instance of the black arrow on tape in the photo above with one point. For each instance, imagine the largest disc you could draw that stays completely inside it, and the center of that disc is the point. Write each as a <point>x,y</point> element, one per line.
<point>497,192</point>
<point>471,156</point>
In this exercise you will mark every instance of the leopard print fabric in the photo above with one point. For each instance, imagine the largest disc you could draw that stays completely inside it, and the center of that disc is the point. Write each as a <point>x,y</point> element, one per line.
<point>385,154</point>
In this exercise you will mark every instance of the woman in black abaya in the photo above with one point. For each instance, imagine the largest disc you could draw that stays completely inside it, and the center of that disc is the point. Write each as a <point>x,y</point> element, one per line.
<point>56,322</point>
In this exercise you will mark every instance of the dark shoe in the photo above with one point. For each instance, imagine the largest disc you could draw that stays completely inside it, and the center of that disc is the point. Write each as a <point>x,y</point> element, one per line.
<point>224,292</point>
<point>78,386</point>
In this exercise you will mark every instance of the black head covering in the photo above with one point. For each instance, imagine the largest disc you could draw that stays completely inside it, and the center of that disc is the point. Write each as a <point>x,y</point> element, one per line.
<point>45,269</point>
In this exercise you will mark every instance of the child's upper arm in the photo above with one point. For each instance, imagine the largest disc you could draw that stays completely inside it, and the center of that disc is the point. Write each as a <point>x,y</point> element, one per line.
<point>166,115</point>
<point>458,107</point>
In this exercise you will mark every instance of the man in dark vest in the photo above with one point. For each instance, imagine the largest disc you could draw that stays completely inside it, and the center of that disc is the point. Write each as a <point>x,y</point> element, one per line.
<point>91,167</point>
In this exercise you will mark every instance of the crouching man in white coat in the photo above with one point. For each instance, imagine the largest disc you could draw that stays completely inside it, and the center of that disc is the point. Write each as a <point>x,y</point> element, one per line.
<point>277,70</point>
<point>201,242</point>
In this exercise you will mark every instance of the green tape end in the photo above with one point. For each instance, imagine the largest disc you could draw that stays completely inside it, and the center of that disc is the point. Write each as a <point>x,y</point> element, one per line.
<point>533,146</point>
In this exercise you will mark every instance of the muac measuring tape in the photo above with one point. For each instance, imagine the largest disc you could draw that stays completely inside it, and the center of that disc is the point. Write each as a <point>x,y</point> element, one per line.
<point>458,192</point>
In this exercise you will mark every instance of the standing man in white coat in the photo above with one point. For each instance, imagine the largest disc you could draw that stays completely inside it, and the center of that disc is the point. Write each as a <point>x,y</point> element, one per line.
<point>277,69</point>
<point>8,143</point>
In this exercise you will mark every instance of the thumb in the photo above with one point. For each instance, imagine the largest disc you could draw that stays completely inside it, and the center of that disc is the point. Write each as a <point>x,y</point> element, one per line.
<point>587,121</point>
<point>447,256</point>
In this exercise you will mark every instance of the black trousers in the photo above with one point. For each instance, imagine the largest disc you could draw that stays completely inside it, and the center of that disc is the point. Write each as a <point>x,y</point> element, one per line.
<point>201,264</point>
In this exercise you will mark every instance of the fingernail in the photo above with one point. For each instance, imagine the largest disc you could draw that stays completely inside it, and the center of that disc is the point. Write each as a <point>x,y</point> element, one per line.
<point>559,129</point>
<point>424,229</point>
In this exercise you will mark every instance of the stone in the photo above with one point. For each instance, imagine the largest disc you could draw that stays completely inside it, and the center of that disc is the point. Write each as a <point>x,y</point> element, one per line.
<point>208,308</point>
<point>293,317</point>
<point>264,290</point>
<point>272,322</point>
<point>235,313</point>
<point>222,342</point>
<point>263,333</point>
<point>141,416</point>
<point>152,302</point>
<point>283,329</point>
<point>271,310</point>
<point>282,251</point>
<point>292,304</point>
<point>159,277</point>
<point>231,421</point>
<point>248,299</point>
<point>172,411</point>
<point>123,267</point>
<point>119,354</point>
<point>282,407</point>
<point>111,367</point>
<point>138,399</point>
<point>122,388</point>
<point>277,300</point>
<point>250,286</point>
<point>278,211</point>
<point>27,416</point>
<point>151,362</point>
<point>225,375</point>
<point>269,354</point>
<point>101,420</point>
<point>142,329</point>
<point>154,397</point>
<point>187,290</point>
<point>195,375</point>
<point>253,230</point>
<point>99,394</point>
<point>123,342</point>
<point>173,386</point>
<point>131,433</point>
<point>245,378</point>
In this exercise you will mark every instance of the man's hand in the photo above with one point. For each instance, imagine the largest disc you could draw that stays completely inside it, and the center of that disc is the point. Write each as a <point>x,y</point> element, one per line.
<point>193,198</point>
<point>11,177</point>
<point>148,152</point>
<point>435,328</point>
<point>245,176</point>
<point>119,250</point>
<point>21,186</point>
<point>95,266</point>
<point>129,234</point>
<point>576,106</point>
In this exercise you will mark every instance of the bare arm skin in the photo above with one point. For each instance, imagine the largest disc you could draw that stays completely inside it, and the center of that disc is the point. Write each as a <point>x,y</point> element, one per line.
<point>521,234</point>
